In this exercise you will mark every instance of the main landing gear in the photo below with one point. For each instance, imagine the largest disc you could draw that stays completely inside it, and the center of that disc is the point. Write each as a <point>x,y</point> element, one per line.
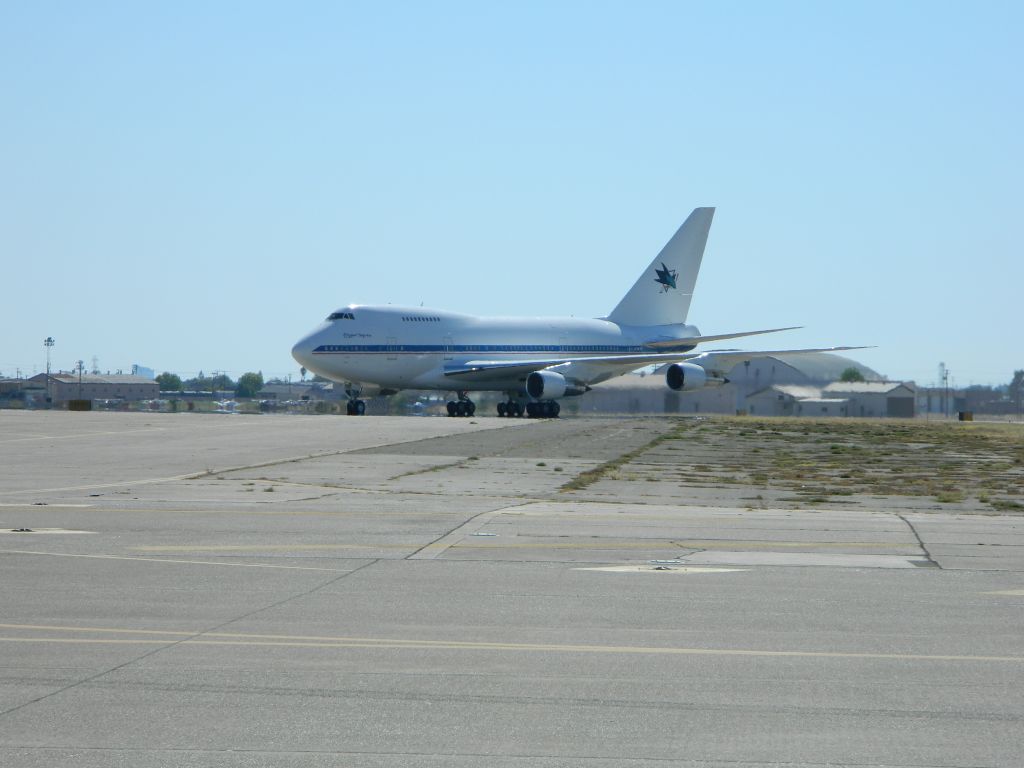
<point>461,407</point>
<point>355,407</point>
<point>541,409</point>
<point>512,409</point>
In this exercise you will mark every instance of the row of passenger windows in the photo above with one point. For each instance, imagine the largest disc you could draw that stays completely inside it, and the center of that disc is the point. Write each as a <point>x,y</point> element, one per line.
<point>341,316</point>
<point>420,319</point>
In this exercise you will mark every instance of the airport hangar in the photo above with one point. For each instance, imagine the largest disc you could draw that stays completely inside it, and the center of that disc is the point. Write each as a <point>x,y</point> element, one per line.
<point>797,379</point>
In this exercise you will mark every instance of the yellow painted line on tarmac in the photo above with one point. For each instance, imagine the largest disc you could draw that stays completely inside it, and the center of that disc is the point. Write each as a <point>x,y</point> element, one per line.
<point>300,641</point>
<point>38,531</point>
<point>681,570</point>
<point>726,544</point>
<point>109,630</point>
<point>1010,592</point>
<point>96,486</point>
<point>496,544</point>
<point>177,562</point>
<point>271,509</point>
<point>271,547</point>
<point>117,433</point>
<point>30,505</point>
<point>769,544</point>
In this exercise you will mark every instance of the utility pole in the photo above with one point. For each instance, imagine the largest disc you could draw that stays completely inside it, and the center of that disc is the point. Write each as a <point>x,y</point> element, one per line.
<point>48,342</point>
<point>81,365</point>
<point>947,409</point>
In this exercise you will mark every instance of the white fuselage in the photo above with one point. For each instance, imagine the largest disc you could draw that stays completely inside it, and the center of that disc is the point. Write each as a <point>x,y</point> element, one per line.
<point>413,347</point>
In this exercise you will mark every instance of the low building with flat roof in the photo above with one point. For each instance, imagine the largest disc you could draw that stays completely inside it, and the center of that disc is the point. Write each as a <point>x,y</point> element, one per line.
<point>875,398</point>
<point>62,387</point>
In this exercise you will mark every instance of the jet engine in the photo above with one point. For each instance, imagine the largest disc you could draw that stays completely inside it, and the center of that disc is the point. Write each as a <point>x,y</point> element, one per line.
<point>546,385</point>
<point>682,377</point>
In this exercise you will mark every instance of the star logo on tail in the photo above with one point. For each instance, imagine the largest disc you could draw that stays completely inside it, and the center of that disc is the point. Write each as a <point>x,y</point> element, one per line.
<point>666,277</point>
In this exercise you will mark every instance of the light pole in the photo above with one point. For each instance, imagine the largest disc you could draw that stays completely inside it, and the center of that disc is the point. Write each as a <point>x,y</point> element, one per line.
<point>48,342</point>
<point>81,365</point>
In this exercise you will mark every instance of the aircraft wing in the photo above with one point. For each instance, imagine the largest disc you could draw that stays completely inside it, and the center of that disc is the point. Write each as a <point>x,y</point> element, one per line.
<point>481,370</point>
<point>715,362</point>
<point>722,361</point>
<point>667,344</point>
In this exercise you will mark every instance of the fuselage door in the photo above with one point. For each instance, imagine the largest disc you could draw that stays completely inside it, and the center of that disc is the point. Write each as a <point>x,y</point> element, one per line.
<point>448,346</point>
<point>392,348</point>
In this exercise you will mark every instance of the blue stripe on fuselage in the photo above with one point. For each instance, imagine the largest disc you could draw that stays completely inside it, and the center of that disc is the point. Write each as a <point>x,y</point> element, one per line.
<point>481,348</point>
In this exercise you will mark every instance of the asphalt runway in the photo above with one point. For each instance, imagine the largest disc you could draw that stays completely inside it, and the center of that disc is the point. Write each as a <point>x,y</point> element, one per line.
<point>215,590</point>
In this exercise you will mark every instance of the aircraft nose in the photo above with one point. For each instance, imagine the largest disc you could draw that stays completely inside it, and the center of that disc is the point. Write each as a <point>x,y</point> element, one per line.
<point>303,351</point>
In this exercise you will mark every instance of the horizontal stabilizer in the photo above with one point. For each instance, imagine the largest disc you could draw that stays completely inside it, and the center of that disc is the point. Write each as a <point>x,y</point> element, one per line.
<point>690,342</point>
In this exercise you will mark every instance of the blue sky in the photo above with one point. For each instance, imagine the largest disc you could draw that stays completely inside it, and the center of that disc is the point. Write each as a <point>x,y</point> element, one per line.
<point>192,186</point>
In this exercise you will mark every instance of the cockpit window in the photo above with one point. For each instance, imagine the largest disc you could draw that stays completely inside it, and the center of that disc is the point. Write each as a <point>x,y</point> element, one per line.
<point>341,316</point>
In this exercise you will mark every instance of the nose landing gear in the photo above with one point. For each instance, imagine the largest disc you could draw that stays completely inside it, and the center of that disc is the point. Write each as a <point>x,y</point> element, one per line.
<point>355,407</point>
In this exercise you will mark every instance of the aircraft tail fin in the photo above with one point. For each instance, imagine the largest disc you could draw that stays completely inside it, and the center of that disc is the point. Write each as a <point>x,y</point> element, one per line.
<point>662,294</point>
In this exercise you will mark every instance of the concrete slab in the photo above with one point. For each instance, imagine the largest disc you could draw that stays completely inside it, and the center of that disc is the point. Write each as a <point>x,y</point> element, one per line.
<point>809,559</point>
<point>424,592</point>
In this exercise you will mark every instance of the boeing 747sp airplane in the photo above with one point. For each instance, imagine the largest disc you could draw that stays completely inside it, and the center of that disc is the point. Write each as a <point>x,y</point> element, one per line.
<point>535,360</point>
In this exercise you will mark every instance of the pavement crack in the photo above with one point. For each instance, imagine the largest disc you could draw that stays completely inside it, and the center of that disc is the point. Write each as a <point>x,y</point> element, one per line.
<point>920,542</point>
<point>460,526</point>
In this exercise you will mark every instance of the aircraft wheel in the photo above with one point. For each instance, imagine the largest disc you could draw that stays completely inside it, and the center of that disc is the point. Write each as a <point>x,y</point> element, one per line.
<point>461,409</point>
<point>501,410</point>
<point>531,410</point>
<point>470,408</point>
<point>360,408</point>
<point>350,408</point>
<point>555,409</point>
<point>451,408</point>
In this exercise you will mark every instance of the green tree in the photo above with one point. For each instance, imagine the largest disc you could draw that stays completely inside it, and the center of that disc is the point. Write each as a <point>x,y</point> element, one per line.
<point>249,384</point>
<point>169,382</point>
<point>851,374</point>
<point>219,383</point>
<point>1016,388</point>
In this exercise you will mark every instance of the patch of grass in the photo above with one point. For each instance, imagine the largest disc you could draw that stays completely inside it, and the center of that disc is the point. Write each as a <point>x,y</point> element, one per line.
<point>1007,505</point>
<point>591,476</point>
<point>427,470</point>
<point>949,496</point>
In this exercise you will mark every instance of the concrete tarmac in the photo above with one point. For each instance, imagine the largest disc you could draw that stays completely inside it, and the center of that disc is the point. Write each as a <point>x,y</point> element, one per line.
<point>223,590</point>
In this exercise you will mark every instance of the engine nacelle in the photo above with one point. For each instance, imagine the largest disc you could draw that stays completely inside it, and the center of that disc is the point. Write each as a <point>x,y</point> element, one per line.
<point>546,385</point>
<point>683,377</point>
